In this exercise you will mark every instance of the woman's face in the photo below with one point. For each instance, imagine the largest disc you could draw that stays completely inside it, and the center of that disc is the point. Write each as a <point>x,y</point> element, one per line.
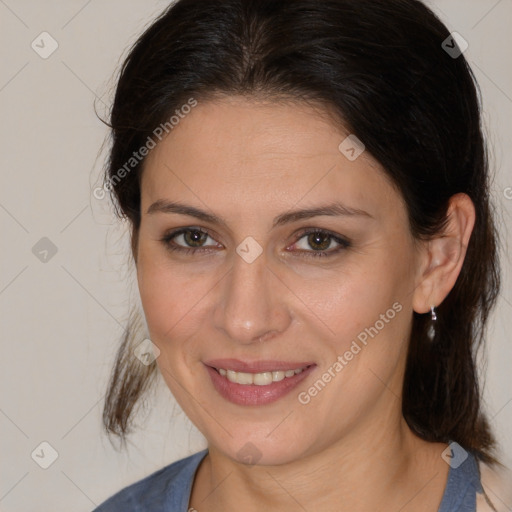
<point>268,289</point>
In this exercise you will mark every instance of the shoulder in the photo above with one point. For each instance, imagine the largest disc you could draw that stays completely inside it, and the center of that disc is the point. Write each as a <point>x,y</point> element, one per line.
<point>162,489</point>
<point>497,485</point>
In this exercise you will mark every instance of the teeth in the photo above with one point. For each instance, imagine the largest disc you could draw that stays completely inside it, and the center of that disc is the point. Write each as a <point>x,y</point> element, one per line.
<point>258,379</point>
<point>262,379</point>
<point>277,376</point>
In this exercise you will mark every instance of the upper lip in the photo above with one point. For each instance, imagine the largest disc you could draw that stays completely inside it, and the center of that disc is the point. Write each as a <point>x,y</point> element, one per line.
<point>256,366</point>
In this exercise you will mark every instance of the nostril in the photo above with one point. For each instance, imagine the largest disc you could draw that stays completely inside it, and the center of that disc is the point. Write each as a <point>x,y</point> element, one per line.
<point>267,335</point>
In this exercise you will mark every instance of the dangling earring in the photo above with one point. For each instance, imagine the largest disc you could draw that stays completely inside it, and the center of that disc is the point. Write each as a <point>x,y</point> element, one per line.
<point>431,329</point>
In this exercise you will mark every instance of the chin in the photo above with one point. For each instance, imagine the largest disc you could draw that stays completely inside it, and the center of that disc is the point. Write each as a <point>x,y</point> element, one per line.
<point>263,451</point>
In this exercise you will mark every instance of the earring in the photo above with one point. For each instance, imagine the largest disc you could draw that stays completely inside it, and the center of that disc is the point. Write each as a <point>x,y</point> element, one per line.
<point>431,329</point>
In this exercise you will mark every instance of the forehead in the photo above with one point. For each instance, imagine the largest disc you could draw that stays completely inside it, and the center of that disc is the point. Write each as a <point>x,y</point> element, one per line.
<point>273,153</point>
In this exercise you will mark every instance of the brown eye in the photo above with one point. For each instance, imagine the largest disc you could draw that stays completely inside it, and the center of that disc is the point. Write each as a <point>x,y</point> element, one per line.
<point>316,242</point>
<point>188,240</point>
<point>194,238</point>
<point>320,241</point>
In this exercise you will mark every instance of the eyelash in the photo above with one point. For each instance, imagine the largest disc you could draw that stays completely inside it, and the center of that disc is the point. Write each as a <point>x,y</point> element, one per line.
<point>344,244</point>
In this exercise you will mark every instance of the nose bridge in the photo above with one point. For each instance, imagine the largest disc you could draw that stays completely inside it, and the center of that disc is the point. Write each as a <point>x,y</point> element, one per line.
<point>251,308</point>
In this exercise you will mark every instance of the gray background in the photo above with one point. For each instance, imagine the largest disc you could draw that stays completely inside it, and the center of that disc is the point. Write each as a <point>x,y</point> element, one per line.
<point>61,318</point>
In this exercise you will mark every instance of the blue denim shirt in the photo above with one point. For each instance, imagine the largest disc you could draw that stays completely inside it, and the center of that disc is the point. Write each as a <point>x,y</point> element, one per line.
<point>168,489</point>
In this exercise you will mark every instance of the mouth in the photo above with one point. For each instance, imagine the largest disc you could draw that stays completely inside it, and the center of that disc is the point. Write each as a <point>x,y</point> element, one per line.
<point>256,383</point>
<point>259,379</point>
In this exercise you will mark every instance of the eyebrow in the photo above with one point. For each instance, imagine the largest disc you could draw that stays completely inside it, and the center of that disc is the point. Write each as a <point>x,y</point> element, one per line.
<point>334,209</point>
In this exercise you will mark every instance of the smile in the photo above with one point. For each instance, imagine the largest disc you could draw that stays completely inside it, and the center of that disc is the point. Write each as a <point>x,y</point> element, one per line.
<point>258,379</point>
<point>256,383</point>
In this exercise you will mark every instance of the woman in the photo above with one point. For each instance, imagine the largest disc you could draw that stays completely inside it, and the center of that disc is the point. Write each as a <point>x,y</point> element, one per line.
<point>307,188</point>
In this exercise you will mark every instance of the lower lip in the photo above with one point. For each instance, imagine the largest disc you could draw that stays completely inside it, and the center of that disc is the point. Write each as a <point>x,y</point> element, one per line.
<point>251,394</point>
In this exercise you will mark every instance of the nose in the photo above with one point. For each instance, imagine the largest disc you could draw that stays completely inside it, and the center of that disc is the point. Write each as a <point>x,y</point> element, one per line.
<point>253,303</point>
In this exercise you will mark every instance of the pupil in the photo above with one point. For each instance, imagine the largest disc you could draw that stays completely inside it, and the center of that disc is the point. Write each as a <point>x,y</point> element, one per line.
<point>195,238</point>
<point>316,239</point>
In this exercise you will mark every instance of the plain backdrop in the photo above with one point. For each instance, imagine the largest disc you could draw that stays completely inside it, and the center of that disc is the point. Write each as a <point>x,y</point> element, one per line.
<point>65,286</point>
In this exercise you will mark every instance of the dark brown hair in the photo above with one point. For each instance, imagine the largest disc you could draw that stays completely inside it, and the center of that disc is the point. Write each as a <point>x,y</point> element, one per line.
<point>380,67</point>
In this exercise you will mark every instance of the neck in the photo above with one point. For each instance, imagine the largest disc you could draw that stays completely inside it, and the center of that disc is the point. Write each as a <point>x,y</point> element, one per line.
<point>378,467</point>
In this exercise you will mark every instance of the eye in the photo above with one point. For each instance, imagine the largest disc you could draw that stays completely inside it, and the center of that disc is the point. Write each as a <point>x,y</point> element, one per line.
<point>320,240</point>
<point>192,240</point>
<point>186,240</point>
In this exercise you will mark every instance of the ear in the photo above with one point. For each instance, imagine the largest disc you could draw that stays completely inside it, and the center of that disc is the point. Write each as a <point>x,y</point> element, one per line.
<point>443,255</point>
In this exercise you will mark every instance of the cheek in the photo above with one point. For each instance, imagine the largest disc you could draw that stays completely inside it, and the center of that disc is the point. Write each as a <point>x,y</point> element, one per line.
<point>354,298</point>
<point>171,313</point>
<point>365,309</point>
<point>168,294</point>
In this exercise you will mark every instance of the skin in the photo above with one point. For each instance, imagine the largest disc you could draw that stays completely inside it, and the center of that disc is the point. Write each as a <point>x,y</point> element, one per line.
<point>349,448</point>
